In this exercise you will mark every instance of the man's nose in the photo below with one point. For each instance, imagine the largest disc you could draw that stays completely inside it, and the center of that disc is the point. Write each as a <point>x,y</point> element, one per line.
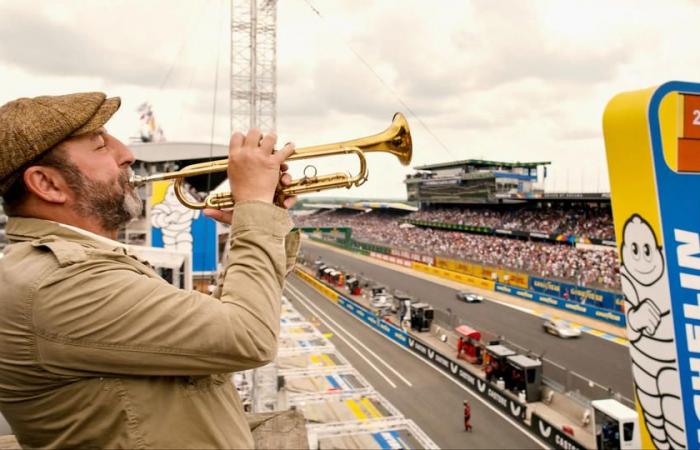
<point>123,154</point>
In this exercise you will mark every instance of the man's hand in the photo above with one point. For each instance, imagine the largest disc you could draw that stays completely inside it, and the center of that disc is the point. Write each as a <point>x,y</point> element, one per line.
<point>225,216</point>
<point>253,168</point>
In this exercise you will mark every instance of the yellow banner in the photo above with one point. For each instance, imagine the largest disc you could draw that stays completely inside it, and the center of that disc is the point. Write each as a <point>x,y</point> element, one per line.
<point>330,293</point>
<point>455,276</point>
<point>510,277</point>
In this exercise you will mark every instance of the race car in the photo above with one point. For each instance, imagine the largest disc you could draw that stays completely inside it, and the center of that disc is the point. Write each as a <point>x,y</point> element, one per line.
<point>469,297</point>
<point>560,328</point>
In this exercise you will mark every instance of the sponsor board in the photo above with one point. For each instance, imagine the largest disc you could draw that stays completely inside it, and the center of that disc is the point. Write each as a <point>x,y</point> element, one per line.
<point>322,288</point>
<point>391,259</point>
<point>391,331</point>
<point>594,297</point>
<point>454,276</point>
<point>652,138</point>
<point>613,317</point>
<point>488,273</point>
<point>488,391</point>
<point>552,434</point>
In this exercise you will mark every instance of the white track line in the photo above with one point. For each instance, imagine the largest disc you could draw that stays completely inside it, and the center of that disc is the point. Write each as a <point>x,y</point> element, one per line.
<point>351,336</point>
<point>524,430</point>
<point>352,347</point>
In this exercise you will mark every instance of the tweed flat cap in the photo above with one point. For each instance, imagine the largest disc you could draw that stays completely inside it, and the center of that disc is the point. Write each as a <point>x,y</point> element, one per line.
<point>31,126</point>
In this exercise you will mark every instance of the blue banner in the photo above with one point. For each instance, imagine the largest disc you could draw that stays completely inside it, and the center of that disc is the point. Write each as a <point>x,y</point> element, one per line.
<point>393,332</point>
<point>568,291</point>
<point>614,317</point>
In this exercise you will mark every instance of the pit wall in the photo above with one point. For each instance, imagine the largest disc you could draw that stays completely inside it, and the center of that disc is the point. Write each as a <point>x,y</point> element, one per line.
<point>491,393</point>
<point>580,301</point>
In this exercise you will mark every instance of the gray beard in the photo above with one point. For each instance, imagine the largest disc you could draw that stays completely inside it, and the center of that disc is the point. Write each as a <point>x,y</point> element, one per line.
<point>113,207</point>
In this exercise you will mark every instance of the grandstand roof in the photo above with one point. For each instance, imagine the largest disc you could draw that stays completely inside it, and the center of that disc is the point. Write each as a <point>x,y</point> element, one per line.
<point>481,163</point>
<point>362,206</point>
<point>382,205</point>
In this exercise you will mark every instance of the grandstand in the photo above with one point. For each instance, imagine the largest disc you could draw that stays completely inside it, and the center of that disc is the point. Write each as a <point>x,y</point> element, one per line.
<point>474,181</point>
<point>493,214</point>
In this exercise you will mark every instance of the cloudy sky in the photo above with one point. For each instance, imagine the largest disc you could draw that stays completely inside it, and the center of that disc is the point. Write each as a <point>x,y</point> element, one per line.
<point>493,79</point>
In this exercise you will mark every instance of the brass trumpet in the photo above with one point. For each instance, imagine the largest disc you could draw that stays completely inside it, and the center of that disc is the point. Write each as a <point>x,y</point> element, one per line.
<point>395,140</point>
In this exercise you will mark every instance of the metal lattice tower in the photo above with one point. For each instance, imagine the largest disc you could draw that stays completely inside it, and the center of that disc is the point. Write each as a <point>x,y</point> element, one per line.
<point>253,64</point>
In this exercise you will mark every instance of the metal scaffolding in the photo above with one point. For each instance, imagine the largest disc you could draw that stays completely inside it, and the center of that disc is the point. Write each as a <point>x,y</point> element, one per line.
<point>253,64</point>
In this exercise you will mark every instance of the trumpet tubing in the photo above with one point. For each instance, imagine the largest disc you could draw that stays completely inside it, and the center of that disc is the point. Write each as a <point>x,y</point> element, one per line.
<point>395,140</point>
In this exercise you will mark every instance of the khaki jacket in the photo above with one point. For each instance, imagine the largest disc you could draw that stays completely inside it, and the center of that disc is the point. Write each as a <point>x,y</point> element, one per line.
<point>96,350</point>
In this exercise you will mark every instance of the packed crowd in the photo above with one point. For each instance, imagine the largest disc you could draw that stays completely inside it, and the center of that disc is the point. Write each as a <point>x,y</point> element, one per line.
<point>582,266</point>
<point>593,223</point>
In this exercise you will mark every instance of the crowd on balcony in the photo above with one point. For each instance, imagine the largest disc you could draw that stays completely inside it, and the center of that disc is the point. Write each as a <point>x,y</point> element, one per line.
<point>595,268</point>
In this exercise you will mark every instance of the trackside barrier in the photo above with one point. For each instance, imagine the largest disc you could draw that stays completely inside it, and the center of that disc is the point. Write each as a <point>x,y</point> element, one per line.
<point>486,390</point>
<point>392,259</point>
<point>553,434</point>
<point>614,317</point>
<point>393,332</point>
<point>322,288</point>
<point>455,276</point>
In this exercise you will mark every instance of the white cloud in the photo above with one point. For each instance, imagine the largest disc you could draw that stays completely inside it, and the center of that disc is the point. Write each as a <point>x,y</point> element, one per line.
<point>499,80</point>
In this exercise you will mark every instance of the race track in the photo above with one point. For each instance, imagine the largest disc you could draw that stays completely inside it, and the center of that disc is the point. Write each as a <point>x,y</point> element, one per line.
<point>421,392</point>
<point>603,361</point>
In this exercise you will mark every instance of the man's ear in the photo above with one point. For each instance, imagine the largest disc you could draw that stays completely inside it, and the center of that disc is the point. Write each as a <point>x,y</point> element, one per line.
<point>46,183</point>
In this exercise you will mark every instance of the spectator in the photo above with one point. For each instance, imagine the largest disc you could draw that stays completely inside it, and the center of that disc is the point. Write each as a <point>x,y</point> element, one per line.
<point>597,268</point>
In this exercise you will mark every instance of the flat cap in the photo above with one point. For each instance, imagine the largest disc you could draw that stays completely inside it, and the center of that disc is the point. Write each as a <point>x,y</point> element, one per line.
<point>30,127</point>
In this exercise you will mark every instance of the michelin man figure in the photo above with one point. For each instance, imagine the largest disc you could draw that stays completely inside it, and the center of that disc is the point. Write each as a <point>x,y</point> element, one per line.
<point>175,221</point>
<point>650,330</point>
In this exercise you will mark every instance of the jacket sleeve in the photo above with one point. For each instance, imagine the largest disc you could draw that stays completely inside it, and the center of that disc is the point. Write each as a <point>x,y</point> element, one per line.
<point>104,316</point>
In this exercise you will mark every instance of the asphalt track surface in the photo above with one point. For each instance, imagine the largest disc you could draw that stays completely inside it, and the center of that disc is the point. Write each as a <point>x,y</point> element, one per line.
<point>421,392</point>
<point>605,362</point>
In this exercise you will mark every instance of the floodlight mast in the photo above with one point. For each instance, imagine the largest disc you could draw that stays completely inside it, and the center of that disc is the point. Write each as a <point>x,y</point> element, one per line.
<point>253,64</point>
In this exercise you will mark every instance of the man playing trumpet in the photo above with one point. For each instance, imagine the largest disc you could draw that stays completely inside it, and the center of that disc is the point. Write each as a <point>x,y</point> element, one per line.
<point>95,349</point>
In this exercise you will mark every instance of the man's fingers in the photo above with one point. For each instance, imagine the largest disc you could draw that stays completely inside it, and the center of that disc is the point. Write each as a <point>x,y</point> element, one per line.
<point>284,153</point>
<point>286,179</point>
<point>236,141</point>
<point>290,201</point>
<point>252,139</point>
<point>219,215</point>
<point>268,142</point>
<point>284,167</point>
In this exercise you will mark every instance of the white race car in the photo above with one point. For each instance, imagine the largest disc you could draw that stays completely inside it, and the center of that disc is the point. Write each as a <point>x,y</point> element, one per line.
<point>560,328</point>
<point>469,297</point>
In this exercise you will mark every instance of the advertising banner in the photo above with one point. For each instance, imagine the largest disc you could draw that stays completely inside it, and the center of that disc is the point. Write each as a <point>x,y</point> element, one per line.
<point>393,332</point>
<point>569,291</point>
<point>455,276</point>
<point>176,227</point>
<point>614,317</point>
<point>553,434</point>
<point>652,140</point>
<point>488,273</point>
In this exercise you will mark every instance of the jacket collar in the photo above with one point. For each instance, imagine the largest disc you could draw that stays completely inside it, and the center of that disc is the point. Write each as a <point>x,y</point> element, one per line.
<point>30,229</point>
